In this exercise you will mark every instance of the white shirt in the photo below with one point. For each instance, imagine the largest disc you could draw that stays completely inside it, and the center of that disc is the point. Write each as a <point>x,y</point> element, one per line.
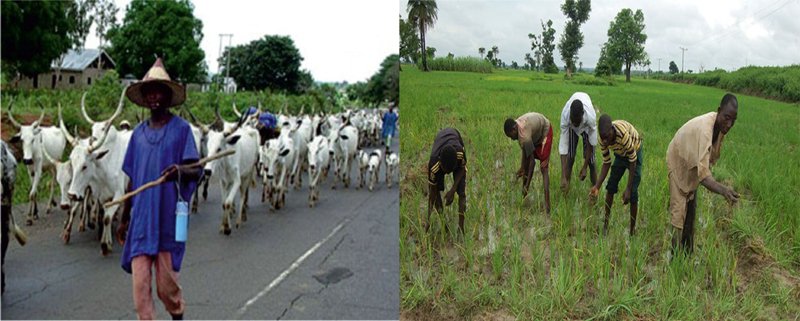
<point>588,125</point>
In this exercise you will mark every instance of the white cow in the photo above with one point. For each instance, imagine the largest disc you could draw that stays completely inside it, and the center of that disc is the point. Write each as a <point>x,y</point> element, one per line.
<point>374,167</point>
<point>301,136</point>
<point>64,174</point>
<point>392,163</point>
<point>344,147</point>
<point>35,138</point>
<point>281,153</point>
<point>363,163</point>
<point>235,172</point>
<point>98,167</point>
<point>318,160</point>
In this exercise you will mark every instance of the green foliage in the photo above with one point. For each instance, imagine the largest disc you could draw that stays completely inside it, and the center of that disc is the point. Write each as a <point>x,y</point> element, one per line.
<point>271,62</point>
<point>673,67</point>
<point>542,46</point>
<point>608,64</point>
<point>385,84</point>
<point>409,41</point>
<point>577,12</point>
<point>626,40</point>
<point>424,14</point>
<point>468,64</point>
<point>168,29</point>
<point>36,33</point>
<point>781,83</point>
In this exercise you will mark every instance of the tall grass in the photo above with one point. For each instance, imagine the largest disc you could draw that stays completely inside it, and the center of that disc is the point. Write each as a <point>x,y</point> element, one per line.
<point>467,64</point>
<point>782,83</point>
<point>517,260</point>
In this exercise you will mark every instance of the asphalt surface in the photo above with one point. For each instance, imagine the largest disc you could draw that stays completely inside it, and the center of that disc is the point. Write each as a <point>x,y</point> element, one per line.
<point>338,260</point>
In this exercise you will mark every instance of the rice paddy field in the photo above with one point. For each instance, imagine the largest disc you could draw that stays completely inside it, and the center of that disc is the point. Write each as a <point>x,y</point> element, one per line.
<point>515,262</point>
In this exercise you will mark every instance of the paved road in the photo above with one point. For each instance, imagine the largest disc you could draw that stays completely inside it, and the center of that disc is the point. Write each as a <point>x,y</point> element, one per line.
<point>279,265</point>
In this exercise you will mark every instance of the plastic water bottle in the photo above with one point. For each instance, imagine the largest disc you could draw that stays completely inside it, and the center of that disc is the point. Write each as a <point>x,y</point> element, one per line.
<point>181,221</point>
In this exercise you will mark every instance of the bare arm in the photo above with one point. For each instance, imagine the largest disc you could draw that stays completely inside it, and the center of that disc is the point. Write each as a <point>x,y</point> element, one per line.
<point>712,185</point>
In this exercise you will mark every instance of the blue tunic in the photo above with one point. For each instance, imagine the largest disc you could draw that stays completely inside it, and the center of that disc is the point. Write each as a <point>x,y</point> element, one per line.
<point>152,225</point>
<point>389,124</point>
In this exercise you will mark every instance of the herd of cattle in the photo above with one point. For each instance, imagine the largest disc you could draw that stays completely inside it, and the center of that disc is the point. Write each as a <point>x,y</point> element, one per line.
<point>315,143</point>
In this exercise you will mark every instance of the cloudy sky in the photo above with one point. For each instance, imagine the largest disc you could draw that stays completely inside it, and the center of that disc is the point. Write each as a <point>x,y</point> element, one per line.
<point>724,34</point>
<point>340,40</point>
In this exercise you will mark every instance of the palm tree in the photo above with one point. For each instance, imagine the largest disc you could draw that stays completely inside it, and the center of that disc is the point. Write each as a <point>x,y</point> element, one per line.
<point>481,51</point>
<point>423,12</point>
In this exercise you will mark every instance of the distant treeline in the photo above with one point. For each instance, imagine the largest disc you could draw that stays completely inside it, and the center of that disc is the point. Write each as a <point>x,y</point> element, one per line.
<point>780,83</point>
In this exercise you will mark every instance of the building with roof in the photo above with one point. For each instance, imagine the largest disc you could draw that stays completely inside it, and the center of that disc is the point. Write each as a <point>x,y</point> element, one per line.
<point>76,69</point>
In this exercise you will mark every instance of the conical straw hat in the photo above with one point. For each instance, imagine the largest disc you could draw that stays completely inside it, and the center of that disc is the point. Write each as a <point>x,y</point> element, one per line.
<point>159,74</point>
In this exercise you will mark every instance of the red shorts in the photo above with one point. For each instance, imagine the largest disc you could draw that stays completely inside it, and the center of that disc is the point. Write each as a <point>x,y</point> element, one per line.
<point>542,153</point>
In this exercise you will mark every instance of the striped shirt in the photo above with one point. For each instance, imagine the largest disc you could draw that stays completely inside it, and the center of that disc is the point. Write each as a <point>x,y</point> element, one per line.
<point>626,142</point>
<point>445,137</point>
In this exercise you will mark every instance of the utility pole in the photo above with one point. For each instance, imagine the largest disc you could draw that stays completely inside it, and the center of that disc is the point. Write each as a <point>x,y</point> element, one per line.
<point>683,50</point>
<point>227,67</point>
<point>659,64</point>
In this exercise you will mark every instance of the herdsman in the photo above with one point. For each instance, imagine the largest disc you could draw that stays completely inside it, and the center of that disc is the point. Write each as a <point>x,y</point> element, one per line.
<point>691,153</point>
<point>622,138</point>
<point>535,136</point>
<point>158,146</point>
<point>578,120</point>
<point>447,156</point>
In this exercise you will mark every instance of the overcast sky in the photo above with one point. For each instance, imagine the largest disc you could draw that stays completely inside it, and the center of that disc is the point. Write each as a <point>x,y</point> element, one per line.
<point>340,40</point>
<point>724,34</point>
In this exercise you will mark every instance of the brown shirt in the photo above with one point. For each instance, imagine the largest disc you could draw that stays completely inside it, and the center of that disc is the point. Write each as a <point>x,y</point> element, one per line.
<point>691,153</point>
<point>533,129</point>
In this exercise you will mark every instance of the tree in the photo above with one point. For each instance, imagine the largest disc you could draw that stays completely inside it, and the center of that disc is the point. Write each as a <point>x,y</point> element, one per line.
<point>608,64</point>
<point>481,51</point>
<point>384,85</point>
<point>495,59</point>
<point>450,55</point>
<point>577,12</point>
<point>167,29</point>
<point>423,12</point>
<point>514,65</point>
<point>673,67</point>
<point>431,51</point>
<point>270,62</point>
<point>530,62</point>
<point>34,34</point>
<point>409,41</point>
<point>626,39</point>
<point>105,18</point>
<point>543,47</point>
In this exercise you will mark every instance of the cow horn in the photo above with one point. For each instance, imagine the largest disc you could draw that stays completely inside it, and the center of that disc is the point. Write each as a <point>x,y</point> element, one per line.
<point>191,115</point>
<point>119,107</point>
<point>41,116</point>
<point>83,108</point>
<point>11,117</point>
<point>64,130</point>
<point>49,158</point>
<point>236,112</point>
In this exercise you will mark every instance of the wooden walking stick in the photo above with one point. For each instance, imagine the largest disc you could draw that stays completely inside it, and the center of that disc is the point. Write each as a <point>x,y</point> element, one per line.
<point>163,178</point>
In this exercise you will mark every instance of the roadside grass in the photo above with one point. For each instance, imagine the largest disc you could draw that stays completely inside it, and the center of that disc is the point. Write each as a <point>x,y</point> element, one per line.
<point>513,259</point>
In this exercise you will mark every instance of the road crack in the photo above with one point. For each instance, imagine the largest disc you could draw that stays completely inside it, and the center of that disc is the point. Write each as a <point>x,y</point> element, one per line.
<point>335,247</point>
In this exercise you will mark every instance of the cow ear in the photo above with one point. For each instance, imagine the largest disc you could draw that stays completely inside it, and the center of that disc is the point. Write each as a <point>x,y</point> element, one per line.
<point>234,139</point>
<point>100,155</point>
<point>15,139</point>
<point>284,152</point>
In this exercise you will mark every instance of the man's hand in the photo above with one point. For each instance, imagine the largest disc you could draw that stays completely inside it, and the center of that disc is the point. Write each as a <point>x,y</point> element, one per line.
<point>594,191</point>
<point>448,198</point>
<point>730,195</point>
<point>626,196</point>
<point>172,172</point>
<point>122,231</point>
